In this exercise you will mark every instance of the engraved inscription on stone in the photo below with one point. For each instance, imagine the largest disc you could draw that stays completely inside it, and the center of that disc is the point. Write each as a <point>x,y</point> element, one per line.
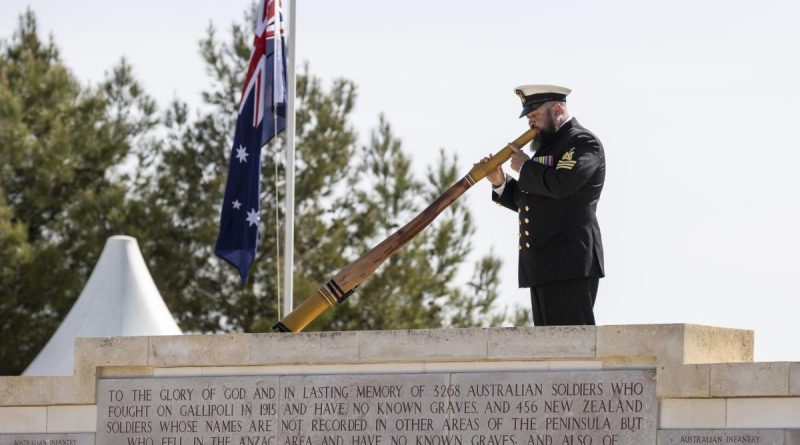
<point>557,408</point>
<point>498,408</point>
<point>188,411</point>
<point>397,409</point>
<point>47,439</point>
<point>760,437</point>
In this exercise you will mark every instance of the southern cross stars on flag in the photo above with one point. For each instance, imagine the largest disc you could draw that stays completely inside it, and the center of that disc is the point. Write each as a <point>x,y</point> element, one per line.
<point>262,115</point>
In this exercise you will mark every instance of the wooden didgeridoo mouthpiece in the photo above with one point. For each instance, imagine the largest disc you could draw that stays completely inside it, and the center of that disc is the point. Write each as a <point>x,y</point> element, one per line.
<point>338,288</point>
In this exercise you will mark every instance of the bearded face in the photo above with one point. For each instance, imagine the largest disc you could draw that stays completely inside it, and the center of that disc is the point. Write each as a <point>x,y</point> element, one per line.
<point>543,119</point>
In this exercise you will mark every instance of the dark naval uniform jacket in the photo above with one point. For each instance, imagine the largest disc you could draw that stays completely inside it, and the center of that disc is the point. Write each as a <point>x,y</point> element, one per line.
<point>556,196</point>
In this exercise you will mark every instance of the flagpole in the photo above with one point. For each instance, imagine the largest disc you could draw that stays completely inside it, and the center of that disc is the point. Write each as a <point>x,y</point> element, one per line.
<point>288,267</point>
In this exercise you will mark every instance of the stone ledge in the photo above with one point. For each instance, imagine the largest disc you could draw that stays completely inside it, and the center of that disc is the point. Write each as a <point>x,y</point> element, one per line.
<point>58,390</point>
<point>542,342</point>
<point>117,372</point>
<point>672,343</point>
<point>31,419</point>
<point>306,348</point>
<point>111,351</point>
<point>611,346</point>
<point>71,419</point>
<point>198,350</point>
<point>772,412</point>
<point>676,343</point>
<point>664,342</point>
<point>721,380</point>
<point>684,381</point>
<point>693,413</point>
<point>735,413</point>
<point>749,379</point>
<point>423,344</point>
<point>794,379</point>
<point>707,344</point>
<point>365,368</point>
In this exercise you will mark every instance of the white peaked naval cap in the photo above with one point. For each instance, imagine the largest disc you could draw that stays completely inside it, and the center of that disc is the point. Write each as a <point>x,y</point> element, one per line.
<point>532,96</point>
<point>120,299</point>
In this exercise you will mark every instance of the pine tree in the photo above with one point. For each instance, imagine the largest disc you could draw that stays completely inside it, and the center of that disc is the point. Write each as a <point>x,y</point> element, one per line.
<point>81,163</point>
<point>61,194</point>
<point>348,198</point>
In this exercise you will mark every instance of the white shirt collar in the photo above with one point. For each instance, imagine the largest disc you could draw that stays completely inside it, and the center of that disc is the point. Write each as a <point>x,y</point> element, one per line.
<point>562,124</point>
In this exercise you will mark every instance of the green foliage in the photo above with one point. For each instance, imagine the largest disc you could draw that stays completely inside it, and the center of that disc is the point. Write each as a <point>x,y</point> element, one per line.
<point>59,146</point>
<point>78,164</point>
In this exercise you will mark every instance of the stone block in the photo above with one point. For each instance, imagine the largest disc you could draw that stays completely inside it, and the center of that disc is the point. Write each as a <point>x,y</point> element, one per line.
<point>111,351</point>
<point>365,368</point>
<point>186,371</point>
<point>749,379</point>
<point>71,418</point>
<point>676,343</point>
<point>237,370</point>
<point>15,391</point>
<point>692,413</point>
<point>368,368</point>
<point>45,390</point>
<point>708,344</point>
<point>304,348</point>
<point>91,353</point>
<point>77,390</point>
<point>499,366</point>
<point>772,412</point>
<point>542,342</point>
<point>794,379</point>
<point>629,362</point>
<point>199,350</point>
<point>126,371</point>
<point>684,381</point>
<point>23,419</point>
<point>664,342</point>
<point>388,368</point>
<point>571,365</point>
<point>416,345</point>
<point>351,368</point>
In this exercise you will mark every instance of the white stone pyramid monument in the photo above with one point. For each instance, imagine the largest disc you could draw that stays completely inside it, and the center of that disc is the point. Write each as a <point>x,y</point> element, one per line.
<point>120,299</point>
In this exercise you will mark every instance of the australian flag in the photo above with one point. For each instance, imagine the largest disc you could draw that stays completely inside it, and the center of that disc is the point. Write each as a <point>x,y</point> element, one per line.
<point>262,115</point>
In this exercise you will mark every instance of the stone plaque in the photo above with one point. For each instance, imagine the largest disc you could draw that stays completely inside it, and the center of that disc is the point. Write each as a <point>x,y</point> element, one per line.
<point>497,408</point>
<point>760,437</point>
<point>562,407</point>
<point>47,439</point>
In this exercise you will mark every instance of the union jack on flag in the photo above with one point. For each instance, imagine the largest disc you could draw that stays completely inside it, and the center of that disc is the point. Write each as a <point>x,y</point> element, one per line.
<point>262,115</point>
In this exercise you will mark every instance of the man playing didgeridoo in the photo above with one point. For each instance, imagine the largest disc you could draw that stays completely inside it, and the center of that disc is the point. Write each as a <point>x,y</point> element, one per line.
<point>556,195</point>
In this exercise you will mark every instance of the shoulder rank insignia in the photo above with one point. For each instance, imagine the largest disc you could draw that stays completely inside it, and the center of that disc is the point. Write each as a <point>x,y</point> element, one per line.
<point>584,136</point>
<point>566,161</point>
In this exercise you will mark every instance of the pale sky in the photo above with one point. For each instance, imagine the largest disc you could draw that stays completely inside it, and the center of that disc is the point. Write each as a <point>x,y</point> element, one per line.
<point>688,98</point>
